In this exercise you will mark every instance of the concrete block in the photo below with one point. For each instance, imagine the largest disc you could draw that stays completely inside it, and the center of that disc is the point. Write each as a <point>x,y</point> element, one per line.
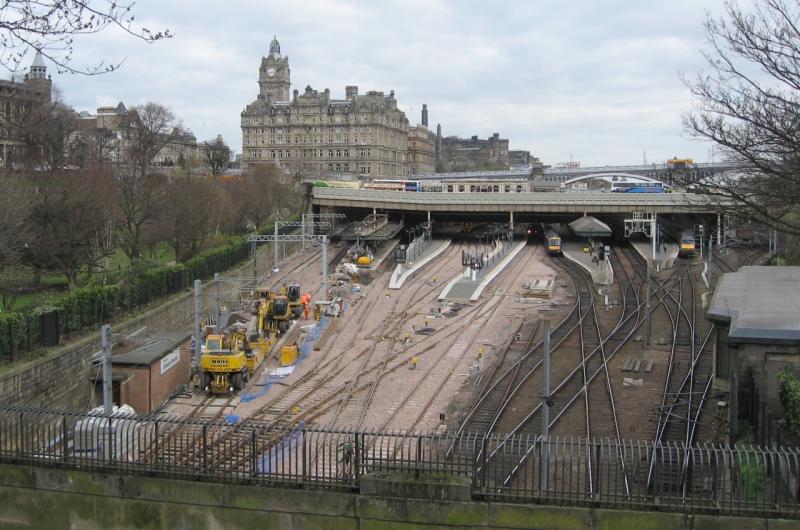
<point>408,486</point>
<point>17,475</point>
<point>630,520</point>
<point>248,519</point>
<point>536,517</point>
<point>782,524</point>
<point>165,490</point>
<point>73,481</point>
<point>289,500</point>
<point>722,522</point>
<point>423,512</point>
<point>626,365</point>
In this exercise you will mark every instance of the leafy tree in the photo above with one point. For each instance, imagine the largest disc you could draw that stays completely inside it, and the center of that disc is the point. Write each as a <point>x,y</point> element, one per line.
<point>748,102</point>
<point>52,25</point>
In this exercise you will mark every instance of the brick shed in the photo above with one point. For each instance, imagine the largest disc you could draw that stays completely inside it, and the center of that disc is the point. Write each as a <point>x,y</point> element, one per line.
<point>146,371</point>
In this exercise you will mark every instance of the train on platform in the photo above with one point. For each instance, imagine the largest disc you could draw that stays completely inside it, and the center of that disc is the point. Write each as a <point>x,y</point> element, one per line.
<point>687,246</point>
<point>638,187</point>
<point>393,185</point>
<point>552,240</point>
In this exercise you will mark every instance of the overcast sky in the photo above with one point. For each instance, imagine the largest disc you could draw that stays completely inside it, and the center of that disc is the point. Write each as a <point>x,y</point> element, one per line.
<point>597,80</point>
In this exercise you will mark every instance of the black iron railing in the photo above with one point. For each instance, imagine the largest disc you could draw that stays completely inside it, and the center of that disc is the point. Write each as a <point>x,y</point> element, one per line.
<point>706,478</point>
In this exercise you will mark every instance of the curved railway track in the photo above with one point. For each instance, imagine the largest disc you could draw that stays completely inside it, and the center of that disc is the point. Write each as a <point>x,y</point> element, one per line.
<point>573,386</point>
<point>686,384</point>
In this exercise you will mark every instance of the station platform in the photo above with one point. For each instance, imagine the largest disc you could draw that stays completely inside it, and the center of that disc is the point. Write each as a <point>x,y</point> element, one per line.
<point>464,288</point>
<point>402,273</point>
<point>664,260</point>
<point>602,272</point>
<point>386,251</point>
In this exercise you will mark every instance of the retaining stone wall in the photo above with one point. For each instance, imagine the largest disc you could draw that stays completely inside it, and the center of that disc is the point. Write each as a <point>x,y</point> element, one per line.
<point>62,376</point>
<point>39,497</point>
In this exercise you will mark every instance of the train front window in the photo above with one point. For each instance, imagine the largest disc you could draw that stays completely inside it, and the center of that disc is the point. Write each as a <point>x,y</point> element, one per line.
<point>554,242</point>
<point>214,344</point>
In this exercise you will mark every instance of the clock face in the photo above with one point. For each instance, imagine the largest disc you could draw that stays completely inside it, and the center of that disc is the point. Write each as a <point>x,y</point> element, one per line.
<point>270,72</point>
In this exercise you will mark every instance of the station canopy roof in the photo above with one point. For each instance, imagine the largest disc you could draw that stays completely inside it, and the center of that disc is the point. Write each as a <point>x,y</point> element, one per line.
<point>588,226</point>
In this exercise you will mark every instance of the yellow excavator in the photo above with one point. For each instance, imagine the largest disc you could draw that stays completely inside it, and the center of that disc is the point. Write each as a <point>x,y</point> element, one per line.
<point>223,363</point>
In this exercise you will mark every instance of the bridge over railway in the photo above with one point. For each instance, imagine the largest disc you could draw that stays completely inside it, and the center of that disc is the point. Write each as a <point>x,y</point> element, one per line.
<point>663,172</point>
<point>517,203</point>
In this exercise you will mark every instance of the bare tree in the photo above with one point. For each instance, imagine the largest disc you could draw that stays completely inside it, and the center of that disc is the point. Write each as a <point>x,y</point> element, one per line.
<point>253,200</point>
<point>217,154</point>
<point>747,101</point>
<point>68,220</point>
<point>15,204</point>
<point>46,134</point>
<point>148,129</point>
<point>186,219</point>
<point>52,25</point>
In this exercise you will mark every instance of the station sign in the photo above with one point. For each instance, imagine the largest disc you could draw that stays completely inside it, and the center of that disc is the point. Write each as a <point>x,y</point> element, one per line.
<point>170,360</point>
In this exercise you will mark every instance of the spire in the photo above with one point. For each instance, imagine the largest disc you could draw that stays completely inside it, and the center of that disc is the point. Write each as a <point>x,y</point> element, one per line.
<point>275,48</point>
<point>38,70</point>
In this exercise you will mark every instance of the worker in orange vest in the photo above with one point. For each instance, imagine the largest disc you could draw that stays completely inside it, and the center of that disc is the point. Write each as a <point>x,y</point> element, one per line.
<point>306,301</point>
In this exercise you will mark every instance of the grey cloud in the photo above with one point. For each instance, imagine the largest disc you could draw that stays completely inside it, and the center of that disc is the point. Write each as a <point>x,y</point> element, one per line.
<point>596,79</point>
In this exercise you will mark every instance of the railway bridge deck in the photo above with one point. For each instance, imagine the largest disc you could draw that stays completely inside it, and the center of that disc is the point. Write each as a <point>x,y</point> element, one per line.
<point>519,203</point>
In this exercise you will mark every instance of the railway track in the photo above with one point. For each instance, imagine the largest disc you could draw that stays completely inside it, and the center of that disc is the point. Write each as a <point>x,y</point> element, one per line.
<point>572,387</point>
<point>488,409</point>
<point>686,385</point>
<point>303,401</point>
<point>462,345</point>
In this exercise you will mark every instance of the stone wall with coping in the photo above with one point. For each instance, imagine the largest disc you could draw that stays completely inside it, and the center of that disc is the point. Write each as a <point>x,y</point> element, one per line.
<point>42,497</point>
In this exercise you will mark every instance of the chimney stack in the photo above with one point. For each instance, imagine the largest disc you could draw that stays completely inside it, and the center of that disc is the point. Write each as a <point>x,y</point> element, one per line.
<point>351,91</point>
<point>425,114</point>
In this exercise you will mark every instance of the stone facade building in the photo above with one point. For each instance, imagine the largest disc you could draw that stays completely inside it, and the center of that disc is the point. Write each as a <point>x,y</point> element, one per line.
<point>459,154</point>
<point>421,150</point>
<point>519,158</point>
<point>757,336</point>
<point>363,133</point>
<point>19,100</point>
<point>106,136</point>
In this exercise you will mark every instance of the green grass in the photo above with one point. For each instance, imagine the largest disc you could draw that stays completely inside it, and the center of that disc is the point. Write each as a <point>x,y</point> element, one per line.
<point>751,470</point>
<point>161,255</point>
<point>31,300</point>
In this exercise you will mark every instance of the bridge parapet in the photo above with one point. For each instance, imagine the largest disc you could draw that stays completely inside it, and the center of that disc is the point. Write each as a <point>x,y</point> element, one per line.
<point>588,202</point>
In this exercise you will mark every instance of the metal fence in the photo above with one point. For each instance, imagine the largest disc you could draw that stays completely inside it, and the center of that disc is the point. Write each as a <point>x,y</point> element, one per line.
<point>23,332</point>
<point>708,478</point>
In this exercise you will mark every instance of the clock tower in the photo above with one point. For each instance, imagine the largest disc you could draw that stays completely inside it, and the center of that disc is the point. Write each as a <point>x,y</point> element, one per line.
<point>273,76</point>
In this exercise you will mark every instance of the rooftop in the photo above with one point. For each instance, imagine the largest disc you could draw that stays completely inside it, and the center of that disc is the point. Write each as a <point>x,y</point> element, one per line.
<point>762,304</point>
<point>588,226</point>
<point>145,350</point>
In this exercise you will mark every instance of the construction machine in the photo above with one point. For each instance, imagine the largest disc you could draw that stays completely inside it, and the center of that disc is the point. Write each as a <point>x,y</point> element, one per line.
<point>292,293</point>
<point>223,363</point>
